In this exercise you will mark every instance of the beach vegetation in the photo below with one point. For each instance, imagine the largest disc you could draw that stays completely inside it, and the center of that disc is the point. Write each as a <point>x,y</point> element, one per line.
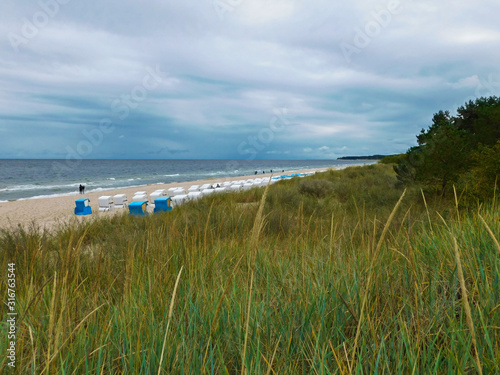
<point>342,272</point>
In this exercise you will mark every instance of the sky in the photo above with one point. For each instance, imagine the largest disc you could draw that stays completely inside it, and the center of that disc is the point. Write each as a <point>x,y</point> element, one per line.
<point>237,79</point>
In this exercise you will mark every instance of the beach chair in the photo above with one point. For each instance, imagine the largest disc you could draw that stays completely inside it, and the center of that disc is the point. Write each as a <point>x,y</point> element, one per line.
<point>235,187</point>
<point>138,208</point>
<point>205,186</point>
<point>247,186</point>
<point>194,188</point>
<point>177,200</point>
<point>83,207</point>
<point>207,191</point>
<point>105,203</point>
<point>120,200</point>
<point>139,197</point>
<point>220,190</point>
<point>194,195</point>
<point>264,182</point>
<point>157,194</point>
<point>178,191</point>
<point>163,204</point>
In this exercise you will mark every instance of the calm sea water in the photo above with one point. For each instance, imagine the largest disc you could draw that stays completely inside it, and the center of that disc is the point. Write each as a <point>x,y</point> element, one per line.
<point>24,179</point>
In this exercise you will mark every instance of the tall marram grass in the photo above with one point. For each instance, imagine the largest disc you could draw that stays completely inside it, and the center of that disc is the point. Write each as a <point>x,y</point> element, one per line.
<point>281,284</point>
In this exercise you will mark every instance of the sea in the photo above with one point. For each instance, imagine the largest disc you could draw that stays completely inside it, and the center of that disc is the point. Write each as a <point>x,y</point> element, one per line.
<point>42,178</point>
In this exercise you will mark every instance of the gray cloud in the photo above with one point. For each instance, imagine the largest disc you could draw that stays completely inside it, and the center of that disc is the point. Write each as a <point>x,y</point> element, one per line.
<point>223,76</point>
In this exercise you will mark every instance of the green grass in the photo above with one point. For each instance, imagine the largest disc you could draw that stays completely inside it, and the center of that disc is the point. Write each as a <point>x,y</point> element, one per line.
<point>282,291</point>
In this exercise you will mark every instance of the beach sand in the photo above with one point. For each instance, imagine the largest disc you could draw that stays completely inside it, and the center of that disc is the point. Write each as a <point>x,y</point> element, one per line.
<point>49,213</point>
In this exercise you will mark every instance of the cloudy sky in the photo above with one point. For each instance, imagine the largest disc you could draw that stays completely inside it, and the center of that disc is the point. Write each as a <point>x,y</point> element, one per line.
<point>275,79</point>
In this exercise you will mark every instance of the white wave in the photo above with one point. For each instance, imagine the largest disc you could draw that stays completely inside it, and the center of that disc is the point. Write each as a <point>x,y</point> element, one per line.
<point>38,187</point>
<point>49,196</point>
<point>171,175</point>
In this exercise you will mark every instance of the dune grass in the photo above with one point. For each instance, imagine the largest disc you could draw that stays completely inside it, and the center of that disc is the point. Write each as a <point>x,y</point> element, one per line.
<point>310,277</point>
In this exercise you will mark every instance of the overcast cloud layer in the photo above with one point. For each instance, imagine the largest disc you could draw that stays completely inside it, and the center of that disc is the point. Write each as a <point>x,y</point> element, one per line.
<point>240,79</point>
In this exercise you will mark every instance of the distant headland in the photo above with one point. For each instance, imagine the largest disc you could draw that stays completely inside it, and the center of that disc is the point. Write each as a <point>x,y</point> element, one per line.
<point>370,157</point>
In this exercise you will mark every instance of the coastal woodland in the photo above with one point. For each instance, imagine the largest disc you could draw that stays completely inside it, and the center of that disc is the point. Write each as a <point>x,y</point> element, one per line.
<point>461,150</point>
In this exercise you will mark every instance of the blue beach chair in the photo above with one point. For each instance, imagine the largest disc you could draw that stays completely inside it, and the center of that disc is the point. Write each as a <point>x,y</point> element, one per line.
<point>138,208</point>
<point>163,204</point>
<point>83,207</point>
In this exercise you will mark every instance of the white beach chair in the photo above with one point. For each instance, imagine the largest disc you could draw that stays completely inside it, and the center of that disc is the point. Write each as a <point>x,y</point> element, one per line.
<point>247,186</point>
<point>140,197</point>
<point>120,200</point>
<point>179,191</point>
<point>157,194</point>
<point>220,190</point>
<point>177,200</point>
<point>105,203</point>
<point>194,195</point>
<point>204,187</point>
<point>263,182</point>
<point>194,188</point>
<point>207,191</point>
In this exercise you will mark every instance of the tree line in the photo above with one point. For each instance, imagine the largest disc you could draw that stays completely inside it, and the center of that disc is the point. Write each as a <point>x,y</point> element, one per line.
<point>461,150</point>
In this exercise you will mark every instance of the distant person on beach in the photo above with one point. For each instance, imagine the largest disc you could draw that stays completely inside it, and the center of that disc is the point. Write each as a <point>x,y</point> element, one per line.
<point>81,189</point>
<point>255,172</point>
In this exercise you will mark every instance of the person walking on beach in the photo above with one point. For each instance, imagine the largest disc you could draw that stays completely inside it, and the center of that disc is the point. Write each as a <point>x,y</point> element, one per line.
<point>81,189</point>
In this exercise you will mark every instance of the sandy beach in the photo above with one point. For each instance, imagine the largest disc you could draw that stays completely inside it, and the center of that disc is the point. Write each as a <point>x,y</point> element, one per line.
<point>47,213</point>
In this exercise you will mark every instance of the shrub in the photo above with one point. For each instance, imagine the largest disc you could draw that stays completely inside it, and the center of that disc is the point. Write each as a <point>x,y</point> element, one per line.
<point>316,188</point>
<point>392,159</point>
<point>483,177</point>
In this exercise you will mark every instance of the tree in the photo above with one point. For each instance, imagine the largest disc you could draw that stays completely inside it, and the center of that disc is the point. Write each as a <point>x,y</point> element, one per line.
<point>444,156</point>
<point>484,176</point>
<point>448,149</point>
